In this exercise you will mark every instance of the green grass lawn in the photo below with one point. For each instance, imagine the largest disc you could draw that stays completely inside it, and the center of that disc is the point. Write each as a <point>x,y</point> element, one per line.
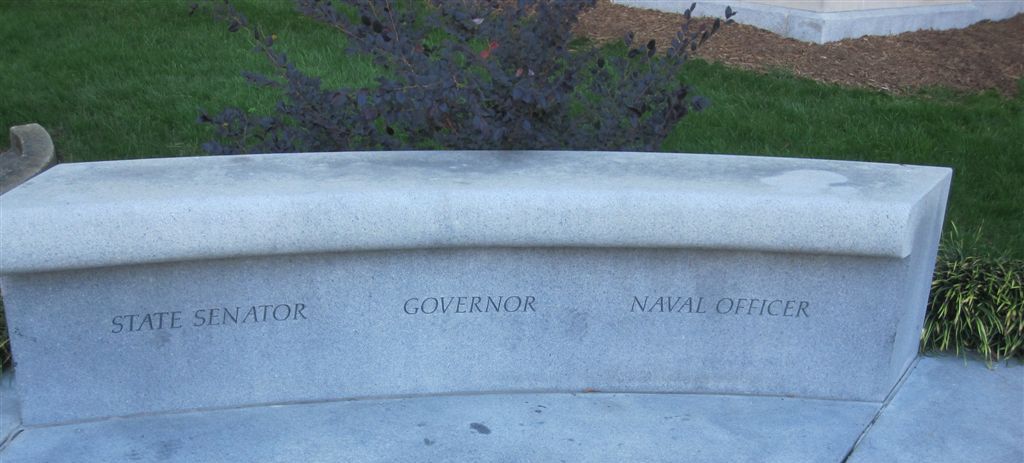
<point>123,79</point>
<point>980,136</point>
<point>120,79</point>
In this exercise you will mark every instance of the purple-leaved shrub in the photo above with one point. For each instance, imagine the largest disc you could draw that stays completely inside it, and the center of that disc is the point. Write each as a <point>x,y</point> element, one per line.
<point>466,74</point>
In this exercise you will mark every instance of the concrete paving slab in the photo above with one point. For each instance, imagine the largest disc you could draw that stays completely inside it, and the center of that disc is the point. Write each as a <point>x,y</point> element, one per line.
<point>951,410</point>
<point>505,427</point>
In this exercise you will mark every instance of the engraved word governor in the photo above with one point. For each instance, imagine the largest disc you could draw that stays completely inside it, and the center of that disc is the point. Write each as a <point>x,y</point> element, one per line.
<point>469,304</point>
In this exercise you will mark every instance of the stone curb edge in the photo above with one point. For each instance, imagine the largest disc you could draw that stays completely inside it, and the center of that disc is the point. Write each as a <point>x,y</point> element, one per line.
<point>31,153</point>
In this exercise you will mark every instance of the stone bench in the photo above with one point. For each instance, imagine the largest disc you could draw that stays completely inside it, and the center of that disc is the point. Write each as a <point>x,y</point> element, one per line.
<point>278,279</point>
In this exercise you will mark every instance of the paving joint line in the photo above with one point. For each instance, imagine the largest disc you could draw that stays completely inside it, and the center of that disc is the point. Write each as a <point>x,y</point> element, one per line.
<point>885,404</point>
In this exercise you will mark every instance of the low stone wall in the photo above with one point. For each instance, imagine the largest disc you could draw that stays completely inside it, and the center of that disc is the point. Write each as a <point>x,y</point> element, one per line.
<point>305,277</point>
<point>823,22</point>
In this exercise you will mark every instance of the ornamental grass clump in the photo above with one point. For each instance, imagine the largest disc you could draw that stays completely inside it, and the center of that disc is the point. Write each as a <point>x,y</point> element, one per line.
<point>5,341</point>
<point>977,304</point>
<point>466,74</point>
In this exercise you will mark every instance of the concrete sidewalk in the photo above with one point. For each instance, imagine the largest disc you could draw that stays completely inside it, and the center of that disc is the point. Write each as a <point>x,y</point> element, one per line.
<point>947,409</point>
<point>951,409</point>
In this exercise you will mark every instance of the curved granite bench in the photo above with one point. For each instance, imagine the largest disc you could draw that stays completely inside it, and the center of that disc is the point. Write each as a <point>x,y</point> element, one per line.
<point>305,277</point>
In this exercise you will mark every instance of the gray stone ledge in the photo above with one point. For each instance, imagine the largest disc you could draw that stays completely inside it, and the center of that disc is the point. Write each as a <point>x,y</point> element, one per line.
<point>811,26</point>
<point>618,272</point>
<point>31,153</point>
<point>100,214</point>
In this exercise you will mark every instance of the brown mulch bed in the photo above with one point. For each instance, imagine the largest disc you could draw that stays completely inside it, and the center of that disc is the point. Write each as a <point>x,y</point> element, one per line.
<point>986,55</point>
